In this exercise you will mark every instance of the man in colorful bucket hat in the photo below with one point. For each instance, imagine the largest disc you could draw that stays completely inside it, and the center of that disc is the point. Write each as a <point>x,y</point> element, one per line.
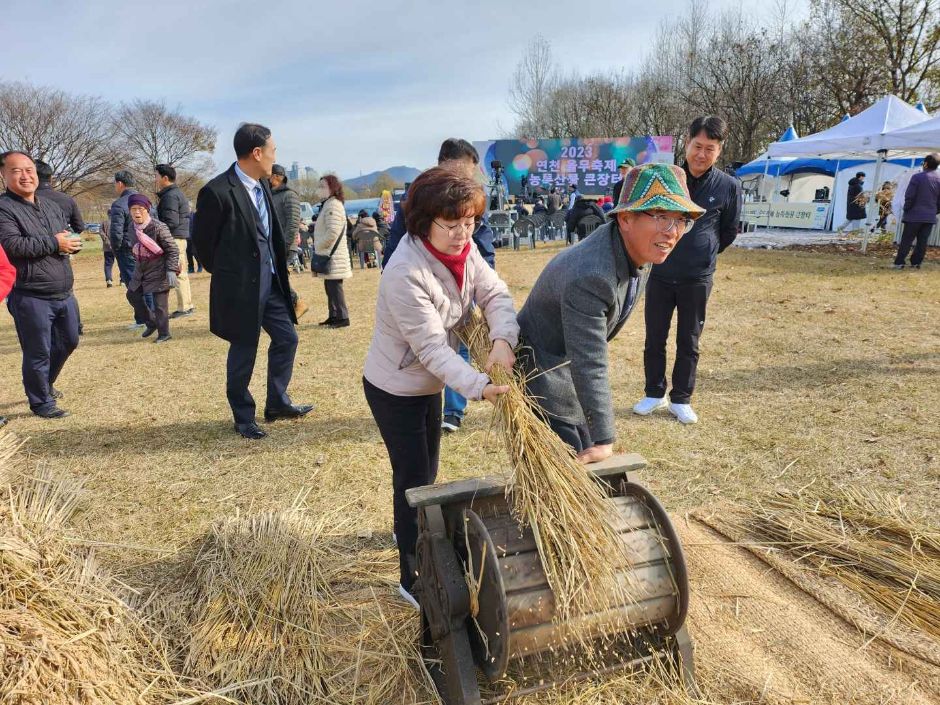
<point>684,283</point>
<point>584,296</point>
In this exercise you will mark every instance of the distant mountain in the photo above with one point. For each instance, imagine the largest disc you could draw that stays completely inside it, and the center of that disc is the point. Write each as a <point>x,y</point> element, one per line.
<point>401,174</point>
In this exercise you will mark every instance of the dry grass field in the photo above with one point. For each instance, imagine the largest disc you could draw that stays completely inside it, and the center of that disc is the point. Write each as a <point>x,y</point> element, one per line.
<point>817,369</point>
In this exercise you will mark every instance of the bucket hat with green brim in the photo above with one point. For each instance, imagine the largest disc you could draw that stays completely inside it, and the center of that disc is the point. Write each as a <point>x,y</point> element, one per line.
<point>656,187</point>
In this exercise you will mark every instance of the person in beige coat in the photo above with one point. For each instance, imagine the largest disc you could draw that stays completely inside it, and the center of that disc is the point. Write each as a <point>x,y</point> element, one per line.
<point>331,225</point>
<point>427,289</point>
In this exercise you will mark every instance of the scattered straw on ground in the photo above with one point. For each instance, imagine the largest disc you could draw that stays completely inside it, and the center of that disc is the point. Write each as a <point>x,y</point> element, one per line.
<point>66,634</point>
<point>295,609</point>
<point>761,639</point>
<point>867,541</point>
<point>863,553</point>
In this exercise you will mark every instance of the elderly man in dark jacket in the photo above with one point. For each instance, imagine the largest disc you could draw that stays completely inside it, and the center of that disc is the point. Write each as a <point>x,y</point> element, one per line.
<point>173,211</point>
<point>73,215</point>
<point>683,283</point>
<point>240,242</point>
<point>584,296</point>
<point>36,238</point>
<point>921,205</point>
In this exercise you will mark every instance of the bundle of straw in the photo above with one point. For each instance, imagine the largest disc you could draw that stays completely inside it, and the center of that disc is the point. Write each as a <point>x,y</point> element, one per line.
<point>291,610</point>
<point>865,540</point>
<point>66,633</point>
<point>580,551</point>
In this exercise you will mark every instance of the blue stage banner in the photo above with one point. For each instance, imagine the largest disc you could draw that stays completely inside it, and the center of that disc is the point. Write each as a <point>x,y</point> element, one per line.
<point>535,166</point>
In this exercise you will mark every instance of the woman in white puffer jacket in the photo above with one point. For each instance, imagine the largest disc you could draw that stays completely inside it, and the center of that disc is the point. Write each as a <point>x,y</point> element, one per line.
<point>427,289</point>
<point>332,225</point>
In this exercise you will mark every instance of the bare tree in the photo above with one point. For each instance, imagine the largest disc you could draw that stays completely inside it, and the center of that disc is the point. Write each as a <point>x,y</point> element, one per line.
<point>908,33</point>
<point>742,81</point>
<point>73,134</point>
<point>759,78</point>
<point>152,134</point>
<point>533,82</point>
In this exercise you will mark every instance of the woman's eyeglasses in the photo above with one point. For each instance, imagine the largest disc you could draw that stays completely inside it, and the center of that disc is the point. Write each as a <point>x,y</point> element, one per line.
<point>454,230</point>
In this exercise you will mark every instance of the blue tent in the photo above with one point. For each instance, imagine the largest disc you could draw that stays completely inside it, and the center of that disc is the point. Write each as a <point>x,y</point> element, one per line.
<point>761,165</point>
<point>827,167</point>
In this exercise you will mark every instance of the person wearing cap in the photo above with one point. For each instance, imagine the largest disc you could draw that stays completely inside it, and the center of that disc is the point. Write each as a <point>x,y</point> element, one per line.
<point>683,283</point>
<point>622,170</point>
<point>36,238</point>
<point>573,195</point>
<point>584,296</point>
<point>158,263</point>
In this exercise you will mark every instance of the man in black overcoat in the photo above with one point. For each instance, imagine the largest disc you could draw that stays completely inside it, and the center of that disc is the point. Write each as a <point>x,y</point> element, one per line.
<point>239,241</point>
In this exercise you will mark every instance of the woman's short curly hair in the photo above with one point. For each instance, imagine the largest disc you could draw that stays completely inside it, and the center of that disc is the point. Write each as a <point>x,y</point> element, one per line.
<point>443,193</point>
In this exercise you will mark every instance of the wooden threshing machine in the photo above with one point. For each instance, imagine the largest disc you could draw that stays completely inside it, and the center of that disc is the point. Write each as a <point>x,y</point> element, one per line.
<point>512,616</point>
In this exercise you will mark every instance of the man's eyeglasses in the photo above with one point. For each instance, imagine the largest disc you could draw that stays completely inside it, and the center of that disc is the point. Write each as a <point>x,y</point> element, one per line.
<point>454,230</point>
<point>664,223</point>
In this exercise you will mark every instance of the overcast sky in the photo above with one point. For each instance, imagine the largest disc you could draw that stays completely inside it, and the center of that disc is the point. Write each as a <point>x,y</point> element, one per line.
<point>351,86</point>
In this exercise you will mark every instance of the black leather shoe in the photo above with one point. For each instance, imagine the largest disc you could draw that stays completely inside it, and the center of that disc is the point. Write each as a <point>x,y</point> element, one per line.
<point>55,393</point>
<point>251,431</point>
<point>340,323</point>
<point>294,411</point>
<point>52,413</point>
<point>328,322</point>
<point>148,331</point>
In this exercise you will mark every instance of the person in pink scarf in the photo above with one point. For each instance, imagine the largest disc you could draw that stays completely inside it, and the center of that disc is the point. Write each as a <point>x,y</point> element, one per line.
<point>158,263</point>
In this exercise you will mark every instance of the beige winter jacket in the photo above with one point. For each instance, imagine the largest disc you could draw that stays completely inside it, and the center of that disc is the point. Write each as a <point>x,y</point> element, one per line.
<point>329,226</point>
<point>413,350</point>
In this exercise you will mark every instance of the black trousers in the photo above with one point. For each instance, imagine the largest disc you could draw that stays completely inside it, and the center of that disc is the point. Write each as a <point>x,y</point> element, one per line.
<point>575,435</point>
<point>689,300</point>
<point>48,334</point>
<point>913,231</point>
<point>277,323</point>
<point>411,429</point>
<point>108,266</point>
<point>127,265</point>
<point>159,316</point>
<point>192,259</point>
<point>336,300</point>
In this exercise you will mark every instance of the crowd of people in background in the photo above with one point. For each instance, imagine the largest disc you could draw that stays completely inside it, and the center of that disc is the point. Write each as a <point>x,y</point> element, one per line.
<point>152,243</point>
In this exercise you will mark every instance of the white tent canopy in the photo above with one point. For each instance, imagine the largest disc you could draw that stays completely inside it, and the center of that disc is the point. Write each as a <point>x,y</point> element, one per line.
<point>922,135</point>
<point>862,134</point>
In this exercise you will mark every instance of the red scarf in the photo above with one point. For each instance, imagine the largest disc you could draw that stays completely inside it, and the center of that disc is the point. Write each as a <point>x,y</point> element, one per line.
<point>455,263</point>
